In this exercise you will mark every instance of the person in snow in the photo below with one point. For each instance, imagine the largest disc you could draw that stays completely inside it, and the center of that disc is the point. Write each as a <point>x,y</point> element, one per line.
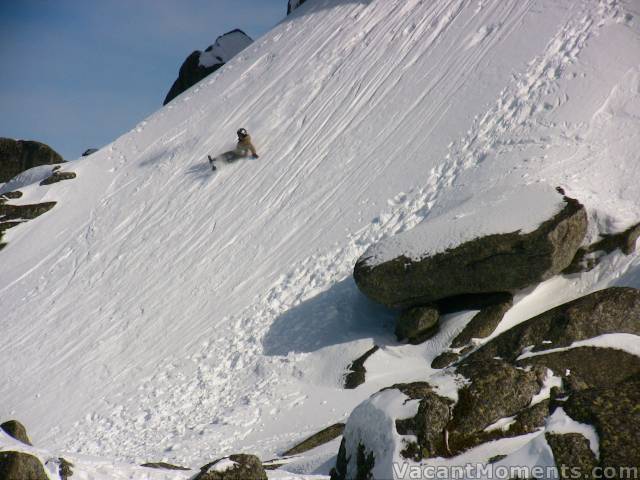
<point>244,148</point>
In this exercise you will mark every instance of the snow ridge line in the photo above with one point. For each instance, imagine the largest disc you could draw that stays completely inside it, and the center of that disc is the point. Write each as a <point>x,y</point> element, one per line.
<point>206,387</point>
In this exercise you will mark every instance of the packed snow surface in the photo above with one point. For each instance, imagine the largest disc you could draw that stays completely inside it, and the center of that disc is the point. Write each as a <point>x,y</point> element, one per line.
<point>158,313</point>
<point>498,210</point>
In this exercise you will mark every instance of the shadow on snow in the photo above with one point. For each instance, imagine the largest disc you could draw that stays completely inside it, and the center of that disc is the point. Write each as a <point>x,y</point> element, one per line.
<point>339,315</point>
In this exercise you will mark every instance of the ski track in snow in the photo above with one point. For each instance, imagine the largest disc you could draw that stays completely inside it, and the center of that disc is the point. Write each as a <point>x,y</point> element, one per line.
<point>236,391</point>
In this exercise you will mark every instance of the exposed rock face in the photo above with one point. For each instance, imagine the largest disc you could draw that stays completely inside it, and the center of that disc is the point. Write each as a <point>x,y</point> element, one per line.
<point>89,151</point>
<point>526,421</point>
<point>429,424</point>
<point>495,263</point>
<point>571,450</point>
<point>320,438</point>
<point>364,464</point>
<point>483,324</point>
<point>624,241</point>
<point>613,310</point>
<point>21,466</point>
<point>16,430</point>
<point>10,196</point>
<point>417,324</point>
<point>293,4</point>
<point>615,413</point>
<point>496,390</point>
<point>16,156</point>
<point>24,212</point>
<point>498,396</point>
<point>444,360</point>
<point>589,367</point>
<point>234,467</point>
<point>199,64</point>
<point>58,176</point>
<point>13,215</point>
<point>357,373</point>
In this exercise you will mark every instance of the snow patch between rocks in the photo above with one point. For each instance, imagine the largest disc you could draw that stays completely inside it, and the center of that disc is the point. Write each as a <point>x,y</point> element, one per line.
<point>562,423</point>
<point>626,342</point>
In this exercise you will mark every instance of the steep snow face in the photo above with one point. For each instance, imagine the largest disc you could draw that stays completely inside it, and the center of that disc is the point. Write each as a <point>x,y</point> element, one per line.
<point>225,48</point>
<point>159,313</point>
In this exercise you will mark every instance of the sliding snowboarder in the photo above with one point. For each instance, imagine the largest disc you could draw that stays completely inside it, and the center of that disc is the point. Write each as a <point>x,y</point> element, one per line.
<point>244,148</point>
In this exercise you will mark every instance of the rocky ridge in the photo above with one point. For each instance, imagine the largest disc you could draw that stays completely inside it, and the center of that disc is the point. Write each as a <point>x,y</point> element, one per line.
<point>559,362</point>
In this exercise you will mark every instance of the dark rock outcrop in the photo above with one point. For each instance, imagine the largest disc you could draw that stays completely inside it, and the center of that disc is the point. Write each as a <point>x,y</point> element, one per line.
<point>193,70</point>
<point>293,4</point>
<point>13,215</point>
<point>15,429</point>
<point>613,310</point>
<point>365,461</point>
<point>483,324</point>
<point>10,196</point>
<point>585,261</point>
<point>429,424</point>
<point>588,367</point>
<point>615,414</point>
<point>445,359</point>
<point>357,372</point>
<point>16,156</point>
<point>21,466</point>
<point>436,425</point>
<point>24,212</point>
<point>320,438</point>
<point>417,324</point>
<point>572,451</point>
<point>58,176</point>
<point>244,467</point>
<point>526,421</point>
<point>495,263</point>
<point>496,390</point>
<point>89,151</point>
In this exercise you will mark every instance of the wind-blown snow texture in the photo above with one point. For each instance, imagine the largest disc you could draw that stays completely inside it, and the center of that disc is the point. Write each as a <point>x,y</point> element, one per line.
<point>156,315</point>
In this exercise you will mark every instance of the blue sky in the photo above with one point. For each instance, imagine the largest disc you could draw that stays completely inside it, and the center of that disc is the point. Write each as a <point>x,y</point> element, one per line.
<point>78,73</point>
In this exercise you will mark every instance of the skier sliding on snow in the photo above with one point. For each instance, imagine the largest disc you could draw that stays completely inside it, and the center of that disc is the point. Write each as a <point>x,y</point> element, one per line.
<point>243,149</point>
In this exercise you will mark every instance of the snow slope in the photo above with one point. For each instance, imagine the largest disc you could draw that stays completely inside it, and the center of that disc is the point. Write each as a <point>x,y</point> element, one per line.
<point>159,313</point>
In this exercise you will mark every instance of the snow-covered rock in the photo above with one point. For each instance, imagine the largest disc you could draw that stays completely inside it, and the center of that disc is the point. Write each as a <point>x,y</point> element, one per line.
<point>234,467</point>
<point>614,310</point>
<point>199,64</point>
<point>494,242</point>
<point>511,387</point>
<point>16,156</point>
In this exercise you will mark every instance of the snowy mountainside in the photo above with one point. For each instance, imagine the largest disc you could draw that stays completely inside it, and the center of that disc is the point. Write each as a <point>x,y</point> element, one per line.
<point>159,313</point>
